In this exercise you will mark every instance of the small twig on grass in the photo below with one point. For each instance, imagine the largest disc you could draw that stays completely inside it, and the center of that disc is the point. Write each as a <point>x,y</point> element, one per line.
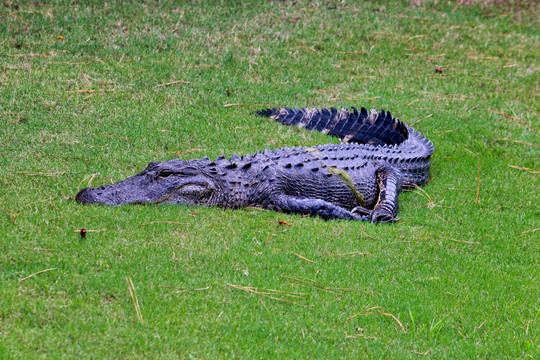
<point>462,241</point>
<point>532,171</point>
<point>40,173</point>
<point>165,222</point>
<point>39,272</point>
<point>300,256</point>
<point>478,185</point>
<point>174,82</point>
<point>375,310</point>
<point>133,294</point>
<point>517,141</point>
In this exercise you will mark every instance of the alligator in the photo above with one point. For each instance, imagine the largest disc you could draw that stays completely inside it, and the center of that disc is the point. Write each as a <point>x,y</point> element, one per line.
<point>358,179</point>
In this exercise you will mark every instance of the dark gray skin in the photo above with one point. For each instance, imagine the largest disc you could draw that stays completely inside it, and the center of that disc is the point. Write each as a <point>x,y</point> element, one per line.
<point>359,180</point>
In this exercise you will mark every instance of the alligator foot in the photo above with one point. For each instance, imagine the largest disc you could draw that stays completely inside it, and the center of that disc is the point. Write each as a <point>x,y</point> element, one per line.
<point>389,182</point>
<point>376,216</point>
<point>313,207</point>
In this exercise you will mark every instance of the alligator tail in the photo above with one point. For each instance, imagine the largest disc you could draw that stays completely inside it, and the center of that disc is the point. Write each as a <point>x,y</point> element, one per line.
<point>349,125</point>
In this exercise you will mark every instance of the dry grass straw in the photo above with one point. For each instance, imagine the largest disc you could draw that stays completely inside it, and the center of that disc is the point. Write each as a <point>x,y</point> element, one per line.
<point>462,241</point>
<point>267,292</point>
<point>133,294</point>
<point>532,171</point>
<point>517,141</point>
<point>508,116</point>
<point>351,254</point>
<point>89,91</point>
<point>529,231</point>
<point>165,222</point>
<point>311,283</point>
<point>424,118</point>
<point>39,272</point>
<point>431,203</point>
<point>174,82</point>
<point>90,177</point>
<point>116,137</point>
<point>268,105</point>
<point>375,310</point>
<point>40,173</point>
<point>179,291</point>
<point>291,252</point>
<point>478,185</point>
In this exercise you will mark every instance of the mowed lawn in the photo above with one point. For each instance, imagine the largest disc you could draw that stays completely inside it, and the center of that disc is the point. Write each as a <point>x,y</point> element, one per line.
<point>91,93</point>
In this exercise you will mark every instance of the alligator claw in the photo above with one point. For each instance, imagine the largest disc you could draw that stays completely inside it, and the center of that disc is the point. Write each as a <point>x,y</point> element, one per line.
<point>383,217</point>
<point>362,211</point>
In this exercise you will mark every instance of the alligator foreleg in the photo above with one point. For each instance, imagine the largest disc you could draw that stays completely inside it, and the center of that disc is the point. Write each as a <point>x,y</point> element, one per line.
<point>309,206</point>
<point>389,180</point>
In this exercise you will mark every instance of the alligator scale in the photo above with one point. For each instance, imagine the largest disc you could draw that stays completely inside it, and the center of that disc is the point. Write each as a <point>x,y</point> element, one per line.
<point>358,179</point>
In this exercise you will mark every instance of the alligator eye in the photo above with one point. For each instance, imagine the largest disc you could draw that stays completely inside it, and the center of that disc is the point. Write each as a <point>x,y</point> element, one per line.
<point>164,173</point>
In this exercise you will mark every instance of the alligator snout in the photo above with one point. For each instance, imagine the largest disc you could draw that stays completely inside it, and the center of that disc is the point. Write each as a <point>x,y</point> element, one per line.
<point>87,196</point>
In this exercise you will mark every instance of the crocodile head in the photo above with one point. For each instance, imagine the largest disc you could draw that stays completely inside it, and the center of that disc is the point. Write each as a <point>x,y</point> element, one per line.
<point>173,181</point>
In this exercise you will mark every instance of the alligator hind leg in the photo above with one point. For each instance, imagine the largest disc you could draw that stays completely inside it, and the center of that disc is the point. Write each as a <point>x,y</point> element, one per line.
<point>307,206</point>
<point>389,181</point>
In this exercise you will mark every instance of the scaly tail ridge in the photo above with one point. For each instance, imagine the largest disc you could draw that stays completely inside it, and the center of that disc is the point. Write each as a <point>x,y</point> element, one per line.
<point>349,125</point>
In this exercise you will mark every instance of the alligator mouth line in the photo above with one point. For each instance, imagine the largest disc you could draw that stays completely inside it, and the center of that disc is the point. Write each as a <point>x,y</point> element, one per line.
<point>167,197</point>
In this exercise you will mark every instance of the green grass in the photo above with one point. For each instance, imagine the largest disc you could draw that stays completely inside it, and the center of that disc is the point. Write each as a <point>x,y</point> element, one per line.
<point>460,272</point>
